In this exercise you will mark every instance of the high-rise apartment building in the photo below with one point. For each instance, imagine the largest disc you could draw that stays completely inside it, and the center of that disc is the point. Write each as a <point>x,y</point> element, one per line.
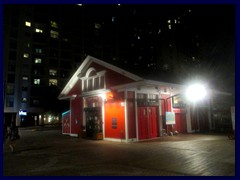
<point>43,45</point>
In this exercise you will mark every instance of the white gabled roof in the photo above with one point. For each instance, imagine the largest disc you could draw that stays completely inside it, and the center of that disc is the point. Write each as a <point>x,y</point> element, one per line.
<point>85,65</point>
<point>138,80</point>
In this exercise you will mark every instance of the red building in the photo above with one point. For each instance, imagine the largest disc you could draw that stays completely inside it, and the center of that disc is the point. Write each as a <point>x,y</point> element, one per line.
<point>109,103</point>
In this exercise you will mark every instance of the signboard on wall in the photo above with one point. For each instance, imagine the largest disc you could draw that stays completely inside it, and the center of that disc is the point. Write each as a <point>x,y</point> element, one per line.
<point>170,118</point>
<point>178,102</point>
<point>114,123</point>
<point>22,113</point>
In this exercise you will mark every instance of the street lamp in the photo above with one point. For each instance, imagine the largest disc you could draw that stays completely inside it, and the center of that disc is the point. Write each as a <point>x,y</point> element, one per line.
<point>196,92</point>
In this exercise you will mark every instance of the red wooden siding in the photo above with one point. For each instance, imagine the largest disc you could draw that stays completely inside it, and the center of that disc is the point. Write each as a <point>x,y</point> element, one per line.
<point>131,115</point>
<point>147,122</point>
<point>181,123</point>
<point>76,115</point>
<point>113,78</point>
<point>77,88</point>
<point>114,113</point>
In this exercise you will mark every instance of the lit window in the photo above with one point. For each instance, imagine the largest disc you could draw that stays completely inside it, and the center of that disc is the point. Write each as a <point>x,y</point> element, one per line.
<point>97,26</point>
<point>38,60</point>
<point>36,81</point>
<point>169,21</point>
<point>54,24</point>
<point>38,50</point>
<point>175,21</point>
<point>24,100</point>
<point>38,30</point>
<point>54,34</point>
<point>26,55</point>
<point>139,37</point>
<point>27,23</point>
<point>53,82</point>
<point>113,19</point>
<point>169,26</point>
<point>159,31</point>
<point>52,72</point>
<point>25,78</point>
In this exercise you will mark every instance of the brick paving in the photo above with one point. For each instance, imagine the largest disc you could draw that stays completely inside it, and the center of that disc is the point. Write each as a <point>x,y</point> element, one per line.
<point>49,153</point>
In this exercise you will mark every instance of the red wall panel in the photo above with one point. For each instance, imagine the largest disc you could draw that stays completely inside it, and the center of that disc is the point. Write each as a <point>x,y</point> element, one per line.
<point>114,113</point>
<point>77,88</point>
<point>76,115</point>
<point>131,115</point>
<point>181,123</point>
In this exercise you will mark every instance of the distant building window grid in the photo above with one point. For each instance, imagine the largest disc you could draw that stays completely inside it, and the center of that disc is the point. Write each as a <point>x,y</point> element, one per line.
<point>11,78</point>
<point>39,50</point>
<point>24,100</point>
<point>53,82</point>
<point>54,34</point>
<point>10,89</point>
<point>54,24</point>
<point>36,81</point>
<point>52,72</point>
<point>9,101</point>
<point>35,102</point>
<point>37,30</point>
<point>37,60</point>
<point>24,88</point>
<point>25,78</point>
<point>27,23</point>
<point>26,55</point>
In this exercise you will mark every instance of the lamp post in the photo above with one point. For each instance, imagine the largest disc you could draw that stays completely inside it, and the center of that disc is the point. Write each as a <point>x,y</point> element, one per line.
<point>195,93</point>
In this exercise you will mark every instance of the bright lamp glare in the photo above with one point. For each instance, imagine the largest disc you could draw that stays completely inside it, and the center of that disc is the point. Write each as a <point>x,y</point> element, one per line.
<point>196,92</point>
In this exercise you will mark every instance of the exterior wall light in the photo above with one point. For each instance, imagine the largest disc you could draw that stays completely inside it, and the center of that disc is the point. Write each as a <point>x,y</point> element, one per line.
<point>196,92</point>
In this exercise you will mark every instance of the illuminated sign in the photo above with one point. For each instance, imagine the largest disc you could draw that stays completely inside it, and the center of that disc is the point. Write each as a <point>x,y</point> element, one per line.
<point>114,123</point>
<point>178,102</point>
<point>143,102</point>
<point>22,113</point>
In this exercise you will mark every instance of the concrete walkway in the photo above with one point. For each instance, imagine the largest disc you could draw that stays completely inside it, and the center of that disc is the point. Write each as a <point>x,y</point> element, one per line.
<point>46,152</point>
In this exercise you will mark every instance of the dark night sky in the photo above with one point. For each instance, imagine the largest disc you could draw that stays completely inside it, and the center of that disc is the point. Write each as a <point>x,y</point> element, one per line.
<point>215,27</point>
<point>214,24</point>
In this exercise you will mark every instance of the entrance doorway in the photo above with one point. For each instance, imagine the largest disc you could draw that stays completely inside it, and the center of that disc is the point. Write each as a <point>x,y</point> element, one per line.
<point>147,122</point>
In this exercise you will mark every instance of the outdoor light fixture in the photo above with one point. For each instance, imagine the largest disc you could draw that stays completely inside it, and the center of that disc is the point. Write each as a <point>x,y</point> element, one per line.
<point>195,92</point>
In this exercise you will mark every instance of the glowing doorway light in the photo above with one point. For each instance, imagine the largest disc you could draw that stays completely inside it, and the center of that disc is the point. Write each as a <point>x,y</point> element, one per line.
<point>195,92</point>
<point>103,96</point>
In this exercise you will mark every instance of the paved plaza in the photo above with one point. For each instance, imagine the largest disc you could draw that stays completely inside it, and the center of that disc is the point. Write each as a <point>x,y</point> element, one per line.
<point>46,152</point>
